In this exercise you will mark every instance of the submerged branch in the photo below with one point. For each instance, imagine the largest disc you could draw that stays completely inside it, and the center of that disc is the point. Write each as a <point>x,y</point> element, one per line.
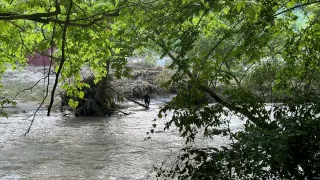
<point>140,104</point>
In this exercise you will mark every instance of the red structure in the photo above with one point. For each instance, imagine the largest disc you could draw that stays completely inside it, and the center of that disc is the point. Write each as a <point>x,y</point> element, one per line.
<point>39,59</point>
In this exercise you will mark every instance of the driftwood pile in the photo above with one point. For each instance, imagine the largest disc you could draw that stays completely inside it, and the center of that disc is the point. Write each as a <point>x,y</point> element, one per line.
<point>132,89</point>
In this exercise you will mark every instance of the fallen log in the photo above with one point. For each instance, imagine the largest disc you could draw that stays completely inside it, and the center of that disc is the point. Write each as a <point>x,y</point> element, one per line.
<point>132,100</point>
<point>125,113</point>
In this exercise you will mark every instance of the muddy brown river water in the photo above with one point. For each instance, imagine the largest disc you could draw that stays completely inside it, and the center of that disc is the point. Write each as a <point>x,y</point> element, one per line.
<point>109,148</point>
<point>88,148</point>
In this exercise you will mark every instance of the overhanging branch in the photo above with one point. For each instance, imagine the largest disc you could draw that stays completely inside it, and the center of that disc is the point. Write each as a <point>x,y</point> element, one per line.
<point>12,16</point>
<point>258,121</point>
<point>297,6</point>
<point>84,25</point>
<point>49,17</point>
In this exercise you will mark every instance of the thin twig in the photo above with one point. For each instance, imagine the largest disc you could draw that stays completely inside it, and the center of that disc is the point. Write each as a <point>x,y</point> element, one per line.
<point>29,88</point>
<point>34,116</point>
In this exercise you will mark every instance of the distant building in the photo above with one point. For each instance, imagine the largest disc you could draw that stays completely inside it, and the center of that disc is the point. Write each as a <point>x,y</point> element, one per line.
<point>41,59</point>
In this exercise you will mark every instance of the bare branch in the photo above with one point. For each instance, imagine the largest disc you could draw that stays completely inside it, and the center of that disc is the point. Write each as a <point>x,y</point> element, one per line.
<point>29,88</point>
<point>34,116</point>
<point>64,34</point>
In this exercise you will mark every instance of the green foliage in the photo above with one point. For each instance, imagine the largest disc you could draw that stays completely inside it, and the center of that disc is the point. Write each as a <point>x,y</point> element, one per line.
<point>228,58</point>
<point>242,54</point>
<point>97,35</point>
<point>5,102</point>
<point>260,81</point>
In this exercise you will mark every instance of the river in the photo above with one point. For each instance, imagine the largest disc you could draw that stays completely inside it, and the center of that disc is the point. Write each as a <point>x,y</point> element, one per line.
<point>109,148</point>
<point>88,147</point>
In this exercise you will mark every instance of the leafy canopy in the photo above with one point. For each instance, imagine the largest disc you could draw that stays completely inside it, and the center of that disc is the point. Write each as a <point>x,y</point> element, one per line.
<point>257,60</point>
<point>230,58</point>
<point>85,34</point>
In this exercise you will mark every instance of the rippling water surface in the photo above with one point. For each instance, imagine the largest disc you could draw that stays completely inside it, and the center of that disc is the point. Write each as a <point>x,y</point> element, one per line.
<point>88,148</point>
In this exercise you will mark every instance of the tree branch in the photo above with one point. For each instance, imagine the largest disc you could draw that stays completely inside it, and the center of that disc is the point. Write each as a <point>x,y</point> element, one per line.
<point>64,34</point>
<point>140,104</point>
<point>47,17</point>
<point>297,6</point>
<point>258,121</point>
<point>11,16</point>
<point>29,88</point>
<point>84,25</point>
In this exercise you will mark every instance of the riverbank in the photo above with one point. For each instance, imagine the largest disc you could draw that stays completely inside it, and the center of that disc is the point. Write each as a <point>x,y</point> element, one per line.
<point>28,87</point>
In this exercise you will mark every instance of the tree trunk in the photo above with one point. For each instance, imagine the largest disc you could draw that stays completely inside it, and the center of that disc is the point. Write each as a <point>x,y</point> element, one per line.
<point>101,93</point>
<point>100,103</point>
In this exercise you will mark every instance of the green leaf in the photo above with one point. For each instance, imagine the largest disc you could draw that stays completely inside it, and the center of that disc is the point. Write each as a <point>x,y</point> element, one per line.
<point>240,5</point>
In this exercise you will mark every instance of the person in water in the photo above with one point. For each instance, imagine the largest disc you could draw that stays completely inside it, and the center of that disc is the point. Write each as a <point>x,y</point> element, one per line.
<point>146,99</point>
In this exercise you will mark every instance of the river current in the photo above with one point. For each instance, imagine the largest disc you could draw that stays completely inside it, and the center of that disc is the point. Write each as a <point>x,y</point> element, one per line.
<point>88,147</point>
<point>110,148</point>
